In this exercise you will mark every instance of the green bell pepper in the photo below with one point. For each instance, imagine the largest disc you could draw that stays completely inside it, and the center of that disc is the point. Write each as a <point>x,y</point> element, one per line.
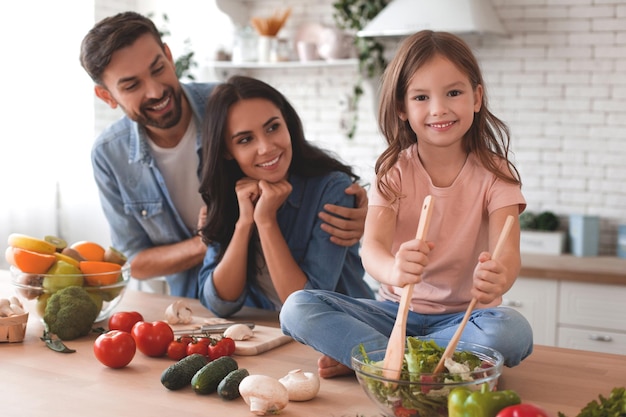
<point>464,402</point>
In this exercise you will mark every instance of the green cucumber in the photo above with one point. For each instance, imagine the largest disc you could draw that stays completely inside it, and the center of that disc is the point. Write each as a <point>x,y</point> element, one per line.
<point>206,380</point>
<point>179,374</point>
<point>228,388</point>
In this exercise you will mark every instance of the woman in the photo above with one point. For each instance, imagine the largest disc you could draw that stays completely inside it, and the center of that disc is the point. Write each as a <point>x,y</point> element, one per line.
<point>264,186</point>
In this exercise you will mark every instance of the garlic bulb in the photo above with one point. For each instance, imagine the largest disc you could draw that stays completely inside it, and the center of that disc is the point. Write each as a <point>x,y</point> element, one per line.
<point>178,312</point>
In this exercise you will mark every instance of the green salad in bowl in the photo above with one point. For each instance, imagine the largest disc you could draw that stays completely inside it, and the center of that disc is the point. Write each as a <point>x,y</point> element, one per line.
<point>418,392</point>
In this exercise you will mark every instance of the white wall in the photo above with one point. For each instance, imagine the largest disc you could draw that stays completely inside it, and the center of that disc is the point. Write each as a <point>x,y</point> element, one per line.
<point>558,80</point>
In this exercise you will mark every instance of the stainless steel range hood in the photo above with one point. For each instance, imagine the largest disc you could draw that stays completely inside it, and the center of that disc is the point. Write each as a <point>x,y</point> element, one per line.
<point>404,17</point>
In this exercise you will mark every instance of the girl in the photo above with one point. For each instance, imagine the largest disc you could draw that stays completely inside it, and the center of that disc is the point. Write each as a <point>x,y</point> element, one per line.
<point>264,186</point>
<point>442,141</point>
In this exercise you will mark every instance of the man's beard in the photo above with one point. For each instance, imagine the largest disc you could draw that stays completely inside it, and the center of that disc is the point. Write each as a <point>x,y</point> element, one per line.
<point>168,120</point>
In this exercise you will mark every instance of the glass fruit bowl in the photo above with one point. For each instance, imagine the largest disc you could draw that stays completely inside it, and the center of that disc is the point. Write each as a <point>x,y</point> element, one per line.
<point>106,289</point>
<point>422,393</point>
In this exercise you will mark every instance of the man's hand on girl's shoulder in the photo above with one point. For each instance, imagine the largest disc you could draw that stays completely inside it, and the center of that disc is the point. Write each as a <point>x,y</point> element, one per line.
<point>346,225</point>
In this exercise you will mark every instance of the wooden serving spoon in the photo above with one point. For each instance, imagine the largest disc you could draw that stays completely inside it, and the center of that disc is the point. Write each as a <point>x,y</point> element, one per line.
<point>457,335</point>
<point>392,365</point>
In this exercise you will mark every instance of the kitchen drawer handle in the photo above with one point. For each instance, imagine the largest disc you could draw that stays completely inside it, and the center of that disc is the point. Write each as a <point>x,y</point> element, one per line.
<point>511,303</point>
<point>600,338</point>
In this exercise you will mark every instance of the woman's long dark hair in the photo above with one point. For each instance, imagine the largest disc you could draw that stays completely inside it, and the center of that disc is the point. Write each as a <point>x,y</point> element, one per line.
<point>219,175</point>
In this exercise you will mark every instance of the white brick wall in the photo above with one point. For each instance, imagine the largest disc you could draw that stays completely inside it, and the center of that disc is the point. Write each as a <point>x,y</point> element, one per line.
<point>558,80</point>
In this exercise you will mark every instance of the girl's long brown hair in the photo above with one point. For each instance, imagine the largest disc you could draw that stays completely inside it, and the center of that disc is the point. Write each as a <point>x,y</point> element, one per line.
<point>488,137</point>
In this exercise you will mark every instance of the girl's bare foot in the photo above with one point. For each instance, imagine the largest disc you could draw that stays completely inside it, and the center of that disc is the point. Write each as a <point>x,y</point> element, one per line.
<point>327,367</point>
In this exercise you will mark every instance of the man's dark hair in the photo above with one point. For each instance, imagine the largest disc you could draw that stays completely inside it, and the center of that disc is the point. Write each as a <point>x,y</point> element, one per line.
<point>109,35</point>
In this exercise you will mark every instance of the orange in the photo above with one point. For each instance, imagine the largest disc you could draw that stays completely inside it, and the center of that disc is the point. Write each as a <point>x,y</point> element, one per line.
<point>100,272</point>
<point>32,262</point>
<point>89,250</point>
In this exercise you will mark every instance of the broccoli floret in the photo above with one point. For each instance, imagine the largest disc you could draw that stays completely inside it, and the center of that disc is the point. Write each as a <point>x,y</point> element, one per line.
<point>70,313</point>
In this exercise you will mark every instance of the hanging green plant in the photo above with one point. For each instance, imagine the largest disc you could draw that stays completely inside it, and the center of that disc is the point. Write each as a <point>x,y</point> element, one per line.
<point>353,15</point>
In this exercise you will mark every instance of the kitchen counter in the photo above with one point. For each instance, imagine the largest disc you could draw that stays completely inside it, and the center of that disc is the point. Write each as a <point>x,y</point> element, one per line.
<point>591,269</point>
<point>37,380</point>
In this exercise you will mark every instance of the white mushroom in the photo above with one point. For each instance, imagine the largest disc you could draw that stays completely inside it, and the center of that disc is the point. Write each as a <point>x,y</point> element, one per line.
<point>301,386</point>
<point>239,331</point>
<point>263,394</point>
<point>178,312</point>
<point>5,308</point>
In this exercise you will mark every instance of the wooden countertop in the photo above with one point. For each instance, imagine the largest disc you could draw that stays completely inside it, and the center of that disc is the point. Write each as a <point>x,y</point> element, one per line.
<point>37,380</point>
<point>592,269</point>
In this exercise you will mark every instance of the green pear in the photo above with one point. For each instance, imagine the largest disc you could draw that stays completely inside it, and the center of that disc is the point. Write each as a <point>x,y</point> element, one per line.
<point>60,275</point>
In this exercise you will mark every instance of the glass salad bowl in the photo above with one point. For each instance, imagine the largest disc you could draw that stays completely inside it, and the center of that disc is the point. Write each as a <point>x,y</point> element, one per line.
<point>418,393</point>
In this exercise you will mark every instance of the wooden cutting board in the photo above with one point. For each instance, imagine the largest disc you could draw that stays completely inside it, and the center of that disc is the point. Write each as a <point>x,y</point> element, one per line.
<point>265,338</point>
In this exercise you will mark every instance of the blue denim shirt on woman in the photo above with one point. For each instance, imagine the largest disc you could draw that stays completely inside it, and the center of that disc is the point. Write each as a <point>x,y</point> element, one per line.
<point>327,265</point>
<point>133,194</point>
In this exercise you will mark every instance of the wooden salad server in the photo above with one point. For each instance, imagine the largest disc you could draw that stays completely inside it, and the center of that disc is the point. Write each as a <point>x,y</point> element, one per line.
<point>392,365</point>
<point>457,335</point>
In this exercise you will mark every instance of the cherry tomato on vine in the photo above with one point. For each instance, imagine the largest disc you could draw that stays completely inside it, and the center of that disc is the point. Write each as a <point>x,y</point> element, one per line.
<point>114,348</point>
<point>230,345</point>
<point>197,347</point>
<point>217,351</point>
<point>124,320</point>
<point>205,340</point>
<point>153,338</point>
<point>177,349</point>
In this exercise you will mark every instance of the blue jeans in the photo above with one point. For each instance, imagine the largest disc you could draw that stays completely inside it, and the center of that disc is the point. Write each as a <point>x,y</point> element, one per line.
<point>333,324</point>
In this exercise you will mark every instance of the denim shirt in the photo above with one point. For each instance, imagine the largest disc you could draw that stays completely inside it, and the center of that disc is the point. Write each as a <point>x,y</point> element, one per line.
<point>327,265</point>
<point>133,194</point>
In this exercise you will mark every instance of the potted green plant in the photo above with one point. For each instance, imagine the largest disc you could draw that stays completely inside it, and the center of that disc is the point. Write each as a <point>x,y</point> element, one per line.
<point>540,234</point>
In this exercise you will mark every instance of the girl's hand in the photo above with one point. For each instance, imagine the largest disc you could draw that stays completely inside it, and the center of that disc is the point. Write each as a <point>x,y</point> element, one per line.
<point>410,261</point>
<point>248,193</point>
<point>272,196</point>
<point>490,279</point>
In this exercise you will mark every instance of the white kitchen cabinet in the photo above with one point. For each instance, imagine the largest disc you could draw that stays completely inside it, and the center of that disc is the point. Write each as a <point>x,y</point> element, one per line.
<point>592,317</point>
<point>535,299</point>
<point>572,314</point>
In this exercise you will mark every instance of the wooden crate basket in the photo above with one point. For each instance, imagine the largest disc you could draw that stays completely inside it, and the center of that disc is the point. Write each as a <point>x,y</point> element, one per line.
<point>13,329</point>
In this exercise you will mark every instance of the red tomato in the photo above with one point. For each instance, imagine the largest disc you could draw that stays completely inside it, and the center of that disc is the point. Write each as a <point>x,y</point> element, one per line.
<point>177,349</point>
<point>153,338</point>
<point>186,339</point>
<point>124,320</point>
<point>523,410</point>
<point>114,348</point>
<point>197,347</point>
<point>217,351</point>
<point>229,343</point>
<point>404,412</point>
<point>205,341</point>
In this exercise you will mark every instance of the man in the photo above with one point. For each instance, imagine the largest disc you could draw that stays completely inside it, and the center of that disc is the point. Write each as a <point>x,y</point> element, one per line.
<point>147,164</point>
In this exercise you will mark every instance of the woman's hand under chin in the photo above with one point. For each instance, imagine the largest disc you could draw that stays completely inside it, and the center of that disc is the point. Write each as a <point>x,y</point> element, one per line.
<point>272,196</point>
<point>248,193</point>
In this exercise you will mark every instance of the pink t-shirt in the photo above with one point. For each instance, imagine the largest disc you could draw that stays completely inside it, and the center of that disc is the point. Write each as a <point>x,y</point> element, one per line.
<point>459,228</point>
